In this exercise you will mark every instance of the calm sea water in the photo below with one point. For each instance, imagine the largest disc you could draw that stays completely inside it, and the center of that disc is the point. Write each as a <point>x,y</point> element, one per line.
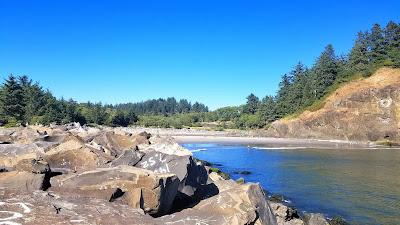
<point>362,186</point>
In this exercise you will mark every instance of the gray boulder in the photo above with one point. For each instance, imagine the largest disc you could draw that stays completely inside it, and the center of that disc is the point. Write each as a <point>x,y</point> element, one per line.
<point>139,188</point>
<point>48,208</point>
<point>17,182</point>
<point>234,205</point>
<point>315,219</point>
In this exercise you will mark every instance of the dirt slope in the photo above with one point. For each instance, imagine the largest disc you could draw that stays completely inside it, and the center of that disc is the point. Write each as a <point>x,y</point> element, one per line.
<point>367,109</point>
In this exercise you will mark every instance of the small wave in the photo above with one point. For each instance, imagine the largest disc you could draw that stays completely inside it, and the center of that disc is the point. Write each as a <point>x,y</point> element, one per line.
<point>272,148</point>
<point>198,150</point>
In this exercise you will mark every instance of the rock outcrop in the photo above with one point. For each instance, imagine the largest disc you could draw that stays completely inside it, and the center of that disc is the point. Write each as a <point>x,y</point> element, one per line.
<point>362,110</point>
<point>76,174</point>
<point>234,204</point>
<point>46,208</point>
<point>285,215</point>
<point>139,188</point>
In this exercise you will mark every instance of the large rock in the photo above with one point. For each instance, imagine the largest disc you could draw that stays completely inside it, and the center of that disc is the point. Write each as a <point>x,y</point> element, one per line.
<point>74,155</point>
<point>21,135</point>
<point>33,166</point>
<point>11,154</point>
<point>136,187</point>
<point>189,173</point>
<point>315,219</point>
<point>16,182</point>
<point>234,205</point>
<point>129,158</point>
<point>285,215</point>
<point>85,132</point>
<point>115,144</point>
<point>47,209</point>
<point>166,156</point>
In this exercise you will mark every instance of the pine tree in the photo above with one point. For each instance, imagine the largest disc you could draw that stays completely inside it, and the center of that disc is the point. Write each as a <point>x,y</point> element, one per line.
<point>299,81</point>
<point>325,71</point>
<point>13,99</point>
<point>99,114</point>
<point>392,42</point>
<point>53,110</point>
<point>377,44</point>
<point>131,116</point>
<point>119,119</point>
<point>358,58</point>
<point>283,106</point>
<point>184,106</point>
<point>252,104</point>
<point>267,110</point>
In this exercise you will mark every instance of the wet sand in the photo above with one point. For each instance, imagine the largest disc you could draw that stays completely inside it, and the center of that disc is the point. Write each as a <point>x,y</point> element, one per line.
<point>270,142</point>
<point>250,138</point>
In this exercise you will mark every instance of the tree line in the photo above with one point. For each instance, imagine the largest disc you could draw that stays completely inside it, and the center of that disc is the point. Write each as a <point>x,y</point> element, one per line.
<point>162,106</point>
<point>23,101</point>
<point>305,88</point>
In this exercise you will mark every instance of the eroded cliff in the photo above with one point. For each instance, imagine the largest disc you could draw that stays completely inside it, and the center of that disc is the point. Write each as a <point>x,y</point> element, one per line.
<point>365,110</point>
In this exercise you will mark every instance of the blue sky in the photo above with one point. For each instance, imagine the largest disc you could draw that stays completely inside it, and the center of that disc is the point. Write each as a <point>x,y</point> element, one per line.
<point>212,51</point>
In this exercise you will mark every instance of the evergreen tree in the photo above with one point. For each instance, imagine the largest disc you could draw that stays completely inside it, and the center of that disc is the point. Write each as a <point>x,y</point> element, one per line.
<point>325,71</point>
<point>131,116</point>
<point>377,44</point>
<point>120,119</point>
<point>71,112</point>
<point>99,114</point>
<point>267,110</point>
<point>184,106</point>
<point>358,58</point>
<point>392,42</point>
<point>297,87</point>
<point>53,110</point>
<point>252,104</point>
<point>283,104</point>
<point>392,35</point>
<point>13,99</point>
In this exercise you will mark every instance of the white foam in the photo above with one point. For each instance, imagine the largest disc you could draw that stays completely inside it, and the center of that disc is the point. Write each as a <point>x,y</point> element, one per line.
<point>272,148</point>
<point>199,150</point>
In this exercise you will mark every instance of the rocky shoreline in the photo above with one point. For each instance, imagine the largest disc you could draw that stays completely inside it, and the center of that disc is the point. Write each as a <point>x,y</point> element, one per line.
<point>74,174</point>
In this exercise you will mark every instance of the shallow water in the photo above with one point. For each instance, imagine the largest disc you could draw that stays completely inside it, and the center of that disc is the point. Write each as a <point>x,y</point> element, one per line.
<point>363,186</point>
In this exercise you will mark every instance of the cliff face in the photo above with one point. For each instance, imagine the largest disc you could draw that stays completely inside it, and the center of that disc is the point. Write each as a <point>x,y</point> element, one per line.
<point>367,110</point>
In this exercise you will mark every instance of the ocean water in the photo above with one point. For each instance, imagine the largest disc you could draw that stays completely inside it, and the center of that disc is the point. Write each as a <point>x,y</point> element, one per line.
<point>362,186</point>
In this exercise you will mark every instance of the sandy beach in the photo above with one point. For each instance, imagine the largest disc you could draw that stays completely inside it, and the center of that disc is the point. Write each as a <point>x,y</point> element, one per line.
<point>250,138</point>
<point>269,142</point>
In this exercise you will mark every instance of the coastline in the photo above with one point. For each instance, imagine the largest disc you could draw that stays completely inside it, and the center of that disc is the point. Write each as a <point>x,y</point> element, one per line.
<point>271,142</point>
<point>254,139</point>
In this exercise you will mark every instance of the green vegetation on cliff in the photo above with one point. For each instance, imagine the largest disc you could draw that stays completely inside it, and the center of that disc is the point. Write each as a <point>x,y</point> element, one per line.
<point>306,88</point>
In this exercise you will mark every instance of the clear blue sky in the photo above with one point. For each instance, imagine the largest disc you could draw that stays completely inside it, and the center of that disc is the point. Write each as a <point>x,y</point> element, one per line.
<point>212,51</point>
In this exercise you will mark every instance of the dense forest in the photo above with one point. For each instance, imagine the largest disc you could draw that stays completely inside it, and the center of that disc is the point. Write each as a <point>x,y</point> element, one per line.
<point>22,101</point>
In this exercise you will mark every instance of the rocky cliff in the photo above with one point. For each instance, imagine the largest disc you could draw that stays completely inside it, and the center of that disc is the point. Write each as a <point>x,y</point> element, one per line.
<point>364,110</point>
<point>81,175</point>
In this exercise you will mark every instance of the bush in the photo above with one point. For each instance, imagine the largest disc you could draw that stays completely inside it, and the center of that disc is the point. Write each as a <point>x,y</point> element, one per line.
<point>11,122</point>
<point>249,121</point>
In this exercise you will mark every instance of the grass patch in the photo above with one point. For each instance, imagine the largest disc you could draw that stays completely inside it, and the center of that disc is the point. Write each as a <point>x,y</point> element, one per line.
<point>387,143</point>
<point>219,172</point>
<point>240,181</point>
